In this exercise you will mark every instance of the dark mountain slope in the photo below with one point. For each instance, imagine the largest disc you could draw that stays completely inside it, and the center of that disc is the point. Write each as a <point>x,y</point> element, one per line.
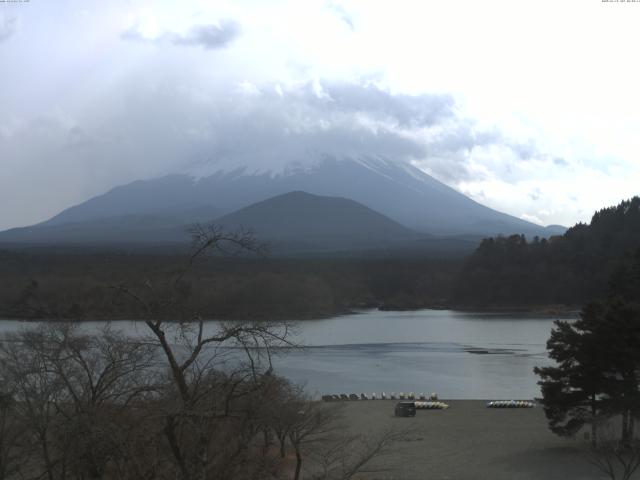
<point>329,222</point>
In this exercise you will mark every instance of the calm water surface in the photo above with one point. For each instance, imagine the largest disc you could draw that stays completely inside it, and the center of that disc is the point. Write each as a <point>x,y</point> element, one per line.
<point>455,354</point>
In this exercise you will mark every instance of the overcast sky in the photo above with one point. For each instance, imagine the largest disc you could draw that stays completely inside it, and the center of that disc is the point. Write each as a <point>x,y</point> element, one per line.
<point>530,107</point>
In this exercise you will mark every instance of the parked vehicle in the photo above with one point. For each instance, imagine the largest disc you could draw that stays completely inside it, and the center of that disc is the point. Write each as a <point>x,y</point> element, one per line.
<point>405,409</point>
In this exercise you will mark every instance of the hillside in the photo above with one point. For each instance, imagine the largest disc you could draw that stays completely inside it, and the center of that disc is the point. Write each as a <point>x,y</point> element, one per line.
<point>300,220</point>
<point>567,269</point>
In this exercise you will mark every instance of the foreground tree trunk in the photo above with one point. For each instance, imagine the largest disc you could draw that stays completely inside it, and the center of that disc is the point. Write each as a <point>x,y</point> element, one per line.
<point>283,447</point>
<point>298,464</point>
<point>625,427</point>
<point>594,429</point>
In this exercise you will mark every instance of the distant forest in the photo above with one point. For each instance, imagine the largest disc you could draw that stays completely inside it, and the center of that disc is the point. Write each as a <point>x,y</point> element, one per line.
<point>84,286</point>
<point>504,272</point>
<point>569,269</point>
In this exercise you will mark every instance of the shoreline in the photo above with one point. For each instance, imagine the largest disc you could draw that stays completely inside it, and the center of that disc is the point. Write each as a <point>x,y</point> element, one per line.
<point>552,309</point>
<point>445,400</point>
<point>547,310</point>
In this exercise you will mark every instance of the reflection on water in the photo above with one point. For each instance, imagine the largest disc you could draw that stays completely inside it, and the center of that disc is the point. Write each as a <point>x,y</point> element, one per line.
<point>456,354</point>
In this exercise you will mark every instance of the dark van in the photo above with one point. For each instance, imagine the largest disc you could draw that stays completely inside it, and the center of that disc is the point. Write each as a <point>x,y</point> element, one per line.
<point>405,409</point>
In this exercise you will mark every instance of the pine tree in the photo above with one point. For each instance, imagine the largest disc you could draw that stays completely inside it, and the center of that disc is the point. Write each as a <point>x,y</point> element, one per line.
<point>598,361</point>
<point>572,390</point>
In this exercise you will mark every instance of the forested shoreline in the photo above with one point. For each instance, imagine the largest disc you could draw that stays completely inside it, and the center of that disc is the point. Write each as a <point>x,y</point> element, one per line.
<point>571,269</point>
<point>76,286</point>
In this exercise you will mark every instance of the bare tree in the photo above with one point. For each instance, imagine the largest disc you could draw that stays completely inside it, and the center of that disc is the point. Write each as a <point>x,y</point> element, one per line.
<point>312,423</point>
<point>11,438</point>
<point>36,392</point>
<point>282,403</point>
<point>350,455</point>
<point>616,458</point>
<point>213,374</point>
<point>317,432</point>
<point>72,392</point>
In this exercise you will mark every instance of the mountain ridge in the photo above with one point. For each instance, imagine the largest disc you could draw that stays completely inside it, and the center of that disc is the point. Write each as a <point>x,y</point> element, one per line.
<point>397,190</point>
<point>294,223</point>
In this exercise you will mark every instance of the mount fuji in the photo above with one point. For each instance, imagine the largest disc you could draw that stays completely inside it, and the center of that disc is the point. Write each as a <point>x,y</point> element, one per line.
<point>158,210</point>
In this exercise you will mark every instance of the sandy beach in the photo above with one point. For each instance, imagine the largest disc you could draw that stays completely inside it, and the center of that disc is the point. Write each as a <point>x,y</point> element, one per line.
<point>470,441</point>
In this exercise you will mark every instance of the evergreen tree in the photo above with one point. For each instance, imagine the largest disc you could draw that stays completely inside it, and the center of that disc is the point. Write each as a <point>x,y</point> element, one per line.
<point>572,390</point>
<point>570,269</point>
<point>598,361</point>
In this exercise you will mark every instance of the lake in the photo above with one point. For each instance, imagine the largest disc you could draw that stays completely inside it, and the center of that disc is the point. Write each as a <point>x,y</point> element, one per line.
<point>458,355</point>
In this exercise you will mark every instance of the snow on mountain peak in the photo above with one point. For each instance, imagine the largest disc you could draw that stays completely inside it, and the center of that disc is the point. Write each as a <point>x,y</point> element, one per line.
<point>296,166</point>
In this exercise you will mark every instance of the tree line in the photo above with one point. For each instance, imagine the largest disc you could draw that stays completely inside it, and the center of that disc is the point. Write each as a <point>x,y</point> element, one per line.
<point>570,269</point>
<point>45,285</point>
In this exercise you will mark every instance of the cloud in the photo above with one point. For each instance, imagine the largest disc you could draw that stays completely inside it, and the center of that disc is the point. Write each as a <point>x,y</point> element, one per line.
<point>78,138</point>
<point>406,110</point>
<point>140,132</point>
<point>342,14</point>
<point>535,194</point>
<point>525,150</point>
<point>209,37</point>
<point>8,26</point>
<point>46,153</point>
<point>140,112</point>
<point>268,129</point>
